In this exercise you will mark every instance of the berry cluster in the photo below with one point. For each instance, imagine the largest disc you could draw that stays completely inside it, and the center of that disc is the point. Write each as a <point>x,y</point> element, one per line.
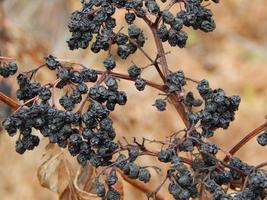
<point>219,109</point>
<point>95,18</point>
<point>79,119</point>
<point>8,69</point>
<point>193,15</point>
<point>88,135</point>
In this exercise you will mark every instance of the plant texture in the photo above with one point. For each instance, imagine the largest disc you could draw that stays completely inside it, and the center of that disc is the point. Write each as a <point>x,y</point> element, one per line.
<point>80,121</point>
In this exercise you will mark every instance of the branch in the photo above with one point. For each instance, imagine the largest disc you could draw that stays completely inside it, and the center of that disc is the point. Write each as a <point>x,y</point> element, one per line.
<point>261,165</point>
<point>8,101</point>
<point>161,51</point>
<point>245,139</point>
<point>174,98</point>
<point>168,7</point>
<point>126,77</point>
<point>141,186</point>
<point>150,59</point>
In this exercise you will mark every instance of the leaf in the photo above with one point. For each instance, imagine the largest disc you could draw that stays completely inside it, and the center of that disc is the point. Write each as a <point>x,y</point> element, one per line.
<point>54,173</point>
<point>84,182</point>
<point>57,174</point>
<point>85,178</point>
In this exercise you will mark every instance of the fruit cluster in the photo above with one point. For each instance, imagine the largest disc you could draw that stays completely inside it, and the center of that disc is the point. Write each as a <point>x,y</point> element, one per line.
<point>79,118</point>
<point>8,69</point>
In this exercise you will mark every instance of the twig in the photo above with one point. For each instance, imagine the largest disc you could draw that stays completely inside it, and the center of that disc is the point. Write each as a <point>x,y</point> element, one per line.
<point>154,62</point>
<point>161,51</point>
<point>174,98</point>
<point>9,101</point>
<point>245,139</point>
<point>261,165</point>
<point>139,185</point>
<point>126,77</point>
<point>155,192</point>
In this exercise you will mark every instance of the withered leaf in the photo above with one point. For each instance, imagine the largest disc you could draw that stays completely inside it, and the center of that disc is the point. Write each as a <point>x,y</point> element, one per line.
<point>54,173</point>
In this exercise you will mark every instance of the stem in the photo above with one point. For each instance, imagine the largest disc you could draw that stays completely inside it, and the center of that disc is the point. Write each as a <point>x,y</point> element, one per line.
<point>261,165</point>
<point>9,101</point>
<point>126,77</point>
<point>150,59</point>
<point>174,98</point>
<point>245,139</point>
<point>141,186</point>
<point>161,51</point>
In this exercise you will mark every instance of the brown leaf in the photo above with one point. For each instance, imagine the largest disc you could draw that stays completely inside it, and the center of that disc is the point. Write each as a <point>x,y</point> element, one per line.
<point>84,182</point>
<point>55,172</point>
<point>69,194</point>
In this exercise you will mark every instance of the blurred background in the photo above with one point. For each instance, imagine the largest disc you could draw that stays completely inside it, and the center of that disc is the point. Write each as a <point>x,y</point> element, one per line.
<point>233,57</point>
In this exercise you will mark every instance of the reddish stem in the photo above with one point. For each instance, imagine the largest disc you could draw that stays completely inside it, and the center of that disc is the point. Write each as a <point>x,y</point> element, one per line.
<point>126,77</point>
<point>9,101</point>
<point>174,98</point>
<point>261,165</point>
<point>245,139</point>
<point>141,186</point>
<point>154,62</point>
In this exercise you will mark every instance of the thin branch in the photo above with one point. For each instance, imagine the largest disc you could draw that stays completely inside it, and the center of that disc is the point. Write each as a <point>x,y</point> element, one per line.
<point>245,139</point>
<point>261,165</point>
<point>9,101</point>
<point>126,77</point>
<point>174,98</point>
<point>154,62</point>
<point>141,186</point>
<point>161,51</point>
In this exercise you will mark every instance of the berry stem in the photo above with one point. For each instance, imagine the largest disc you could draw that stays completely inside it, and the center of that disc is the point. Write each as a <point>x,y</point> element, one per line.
<point>161,51</point>
<point>261,165</point>
<point>9,101</point>
<point>151,60</point>
<point>245,139</point>
<point>141,186</point>
<point>126,77</point>
<point>174,98</point>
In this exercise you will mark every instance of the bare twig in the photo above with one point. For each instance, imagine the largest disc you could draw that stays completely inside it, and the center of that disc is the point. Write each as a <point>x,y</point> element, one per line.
<point>141,186</point>
<point>9,101</point>
<point>245,139</point>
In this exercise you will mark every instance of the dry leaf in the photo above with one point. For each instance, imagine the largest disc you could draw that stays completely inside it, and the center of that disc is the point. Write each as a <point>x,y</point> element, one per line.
<point>57,174</point>
<point>84,182</point>
<point>54,173</point>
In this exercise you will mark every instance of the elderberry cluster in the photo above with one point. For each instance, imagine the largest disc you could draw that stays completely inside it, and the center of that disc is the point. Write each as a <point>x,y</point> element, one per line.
<point>8,69</point>
<point>88,135</point>
<point>219,109</point>
<point>79,119</point>
<point>129,168</point>
<point>193,15</point>
<point>95,20</point>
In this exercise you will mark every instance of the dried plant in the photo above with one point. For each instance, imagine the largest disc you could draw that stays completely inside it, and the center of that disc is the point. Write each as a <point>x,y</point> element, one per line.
<point>80,119</point>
